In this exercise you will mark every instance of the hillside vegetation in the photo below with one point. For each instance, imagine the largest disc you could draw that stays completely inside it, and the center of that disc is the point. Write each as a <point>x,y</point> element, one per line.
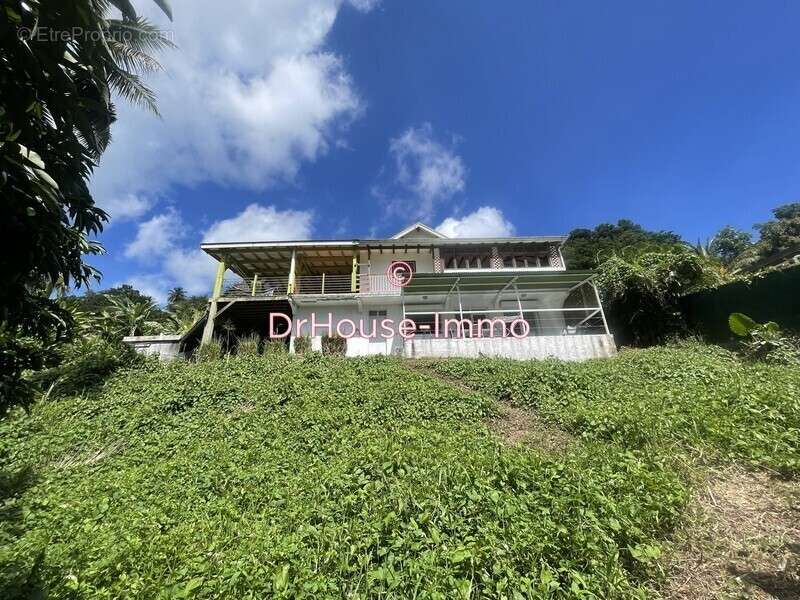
<point>275,476</point>
<point>692,399</point>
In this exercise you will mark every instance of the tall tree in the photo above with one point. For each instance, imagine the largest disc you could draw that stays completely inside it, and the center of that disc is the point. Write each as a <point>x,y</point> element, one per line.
<point>587,248</point>
<point>60,64</point>
<point>132,317</point>
<point>782,232</point>
<point>176,295</point>
<point>729,243</point>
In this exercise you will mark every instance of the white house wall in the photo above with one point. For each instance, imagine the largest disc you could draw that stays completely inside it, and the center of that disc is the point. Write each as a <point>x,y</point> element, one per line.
<point>379,263</point>
<point>564,347</point>
<point>356,346</point>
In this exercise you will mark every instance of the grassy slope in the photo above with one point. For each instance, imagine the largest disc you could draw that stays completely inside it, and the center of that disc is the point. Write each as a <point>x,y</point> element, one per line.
<point>321,478</point>
<point>692,399</point>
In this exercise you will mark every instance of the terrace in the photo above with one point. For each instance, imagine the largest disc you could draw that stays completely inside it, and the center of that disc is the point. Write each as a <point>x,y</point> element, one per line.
<point>362,284</point>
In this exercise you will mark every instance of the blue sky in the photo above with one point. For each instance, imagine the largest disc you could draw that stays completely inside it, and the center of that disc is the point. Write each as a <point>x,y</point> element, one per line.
<point>327,119</point>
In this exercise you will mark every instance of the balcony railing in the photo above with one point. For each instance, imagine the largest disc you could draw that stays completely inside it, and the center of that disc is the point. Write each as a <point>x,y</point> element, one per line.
<point>237,287</point>
<point>489,323</point>
<point>377,285</point>
<point>324,284</point>
<point>307,285</point>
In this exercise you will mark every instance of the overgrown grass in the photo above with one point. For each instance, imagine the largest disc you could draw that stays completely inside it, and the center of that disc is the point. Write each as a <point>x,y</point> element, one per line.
<point>280,476</point>
<point>694,398</point>
<point>283,476</point>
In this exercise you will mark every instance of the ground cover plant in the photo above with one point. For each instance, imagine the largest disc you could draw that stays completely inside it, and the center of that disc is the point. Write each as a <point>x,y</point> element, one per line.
<point>309,476</point>
<point>695,398</point>
<point>314,477</point>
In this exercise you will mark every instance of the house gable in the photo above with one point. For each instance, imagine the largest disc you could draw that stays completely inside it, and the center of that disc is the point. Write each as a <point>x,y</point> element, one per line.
<point>418,231</point>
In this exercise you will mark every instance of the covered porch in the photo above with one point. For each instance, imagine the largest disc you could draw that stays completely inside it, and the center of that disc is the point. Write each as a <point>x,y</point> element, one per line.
<point>530,315</point>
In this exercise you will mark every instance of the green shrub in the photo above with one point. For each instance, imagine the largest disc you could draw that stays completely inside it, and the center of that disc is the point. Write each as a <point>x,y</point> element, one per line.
<point>275,347</point>
<point>764,341</point>
<point>334,345</point>
<point>209,351</point>
<point>302,344</point>
<point>641,293</point>
<point>83,364</point>
<point>248,345</point>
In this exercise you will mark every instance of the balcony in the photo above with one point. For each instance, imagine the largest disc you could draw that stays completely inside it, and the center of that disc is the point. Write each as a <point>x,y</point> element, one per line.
<point>308,285</point>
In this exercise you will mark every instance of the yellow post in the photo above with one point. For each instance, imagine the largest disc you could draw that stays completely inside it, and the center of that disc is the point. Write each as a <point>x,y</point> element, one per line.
<point>208,330</point>
<point>323,284</point>
<point>218,281</point>
<point>354,279</point>
<point>292,273</point>
<point>255,283</point>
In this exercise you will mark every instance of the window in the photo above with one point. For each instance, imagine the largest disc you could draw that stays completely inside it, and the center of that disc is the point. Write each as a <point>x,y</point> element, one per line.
<point>377,314</point>
<point>476,257</point>
<point>526,261</point>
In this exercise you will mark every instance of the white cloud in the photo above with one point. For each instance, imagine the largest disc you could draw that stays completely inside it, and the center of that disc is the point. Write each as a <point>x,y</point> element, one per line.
<point>365,5</point>
<point>150,285</point>
<point>487,221</point>
<point>426,173</point>
<point>157,236</point>
<point>125,206</point>
<point>262,223</point>
<point>245,100</point>
<point>190,267</point>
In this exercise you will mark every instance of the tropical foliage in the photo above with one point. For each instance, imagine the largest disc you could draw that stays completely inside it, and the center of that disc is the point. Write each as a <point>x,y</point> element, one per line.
<point>729,243</point>
<point>588,248</point>
<point>781,233</point>
<point>60,65</point>
<point>764,341</point>
<point>641,294</point>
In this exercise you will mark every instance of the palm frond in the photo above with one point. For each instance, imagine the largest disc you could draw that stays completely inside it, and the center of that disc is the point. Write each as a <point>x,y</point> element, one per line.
<point>130,86</point>
<point>132,59</point>
<point>125,7</point>
<point>139,33</point>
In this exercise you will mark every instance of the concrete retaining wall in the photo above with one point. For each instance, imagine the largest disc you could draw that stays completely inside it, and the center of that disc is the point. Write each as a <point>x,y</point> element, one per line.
<point>165,347</point>
<point>565,347</point>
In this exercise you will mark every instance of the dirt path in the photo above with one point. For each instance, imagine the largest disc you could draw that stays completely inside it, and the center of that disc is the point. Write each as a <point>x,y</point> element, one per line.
<point>742,540</point>
<point>512,424</point>
<point>742,536</point>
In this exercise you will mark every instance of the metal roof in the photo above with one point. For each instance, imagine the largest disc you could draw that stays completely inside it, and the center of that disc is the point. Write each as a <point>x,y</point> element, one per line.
<point>442,283</point>
<point>217,248</point>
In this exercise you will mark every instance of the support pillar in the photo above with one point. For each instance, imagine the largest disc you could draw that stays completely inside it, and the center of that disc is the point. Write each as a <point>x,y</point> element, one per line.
<point>208,330</point>
<point>292,273</point>
<point>600,306</point>
<point>354,276</point>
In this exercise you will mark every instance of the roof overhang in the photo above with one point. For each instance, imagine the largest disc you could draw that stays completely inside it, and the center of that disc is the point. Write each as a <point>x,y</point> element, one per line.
<point>273,258</point>
<point>247,258</point>
<point>447,242</point>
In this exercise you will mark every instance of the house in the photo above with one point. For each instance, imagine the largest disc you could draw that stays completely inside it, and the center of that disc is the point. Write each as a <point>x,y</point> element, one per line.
<point>418,293</point>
